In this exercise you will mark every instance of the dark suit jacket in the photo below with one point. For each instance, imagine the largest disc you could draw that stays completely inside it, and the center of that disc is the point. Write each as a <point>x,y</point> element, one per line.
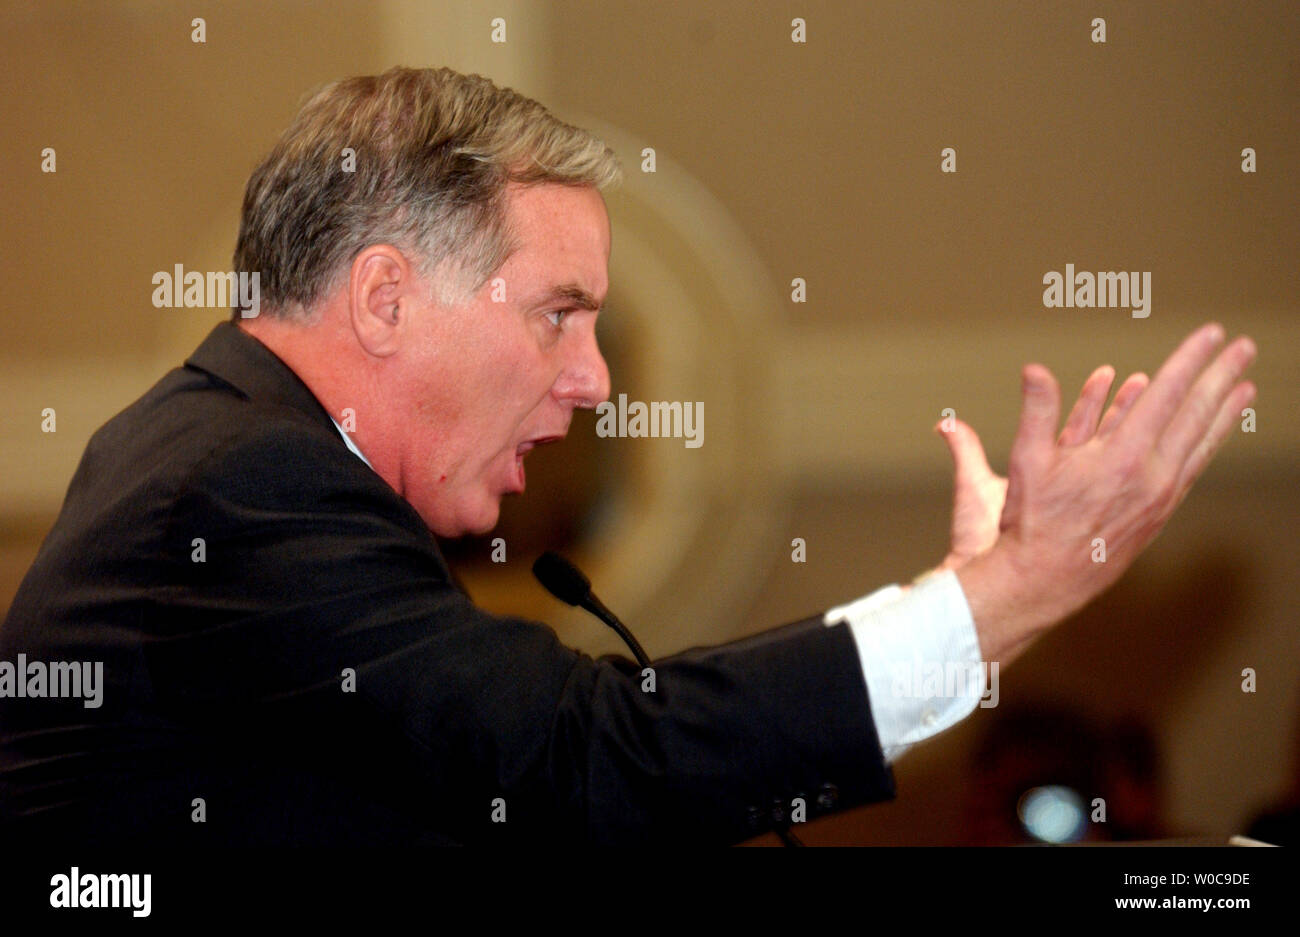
<point>225,678</point>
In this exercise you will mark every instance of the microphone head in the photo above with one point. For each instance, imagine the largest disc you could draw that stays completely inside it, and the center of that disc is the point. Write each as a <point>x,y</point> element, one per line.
<point>561,578</point>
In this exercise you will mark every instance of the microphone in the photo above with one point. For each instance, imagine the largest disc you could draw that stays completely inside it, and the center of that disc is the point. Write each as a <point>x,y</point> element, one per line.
<point>567,583</point>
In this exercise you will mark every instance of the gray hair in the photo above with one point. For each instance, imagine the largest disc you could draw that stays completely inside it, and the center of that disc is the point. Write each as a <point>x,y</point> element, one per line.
<point>432,152</point>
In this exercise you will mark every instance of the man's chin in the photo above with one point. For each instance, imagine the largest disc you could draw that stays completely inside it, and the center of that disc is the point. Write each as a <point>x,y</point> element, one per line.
<point>482,522</point>
<point>487,526</point>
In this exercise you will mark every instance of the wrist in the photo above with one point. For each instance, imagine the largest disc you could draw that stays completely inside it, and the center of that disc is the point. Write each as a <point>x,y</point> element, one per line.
<point>1003,615</point>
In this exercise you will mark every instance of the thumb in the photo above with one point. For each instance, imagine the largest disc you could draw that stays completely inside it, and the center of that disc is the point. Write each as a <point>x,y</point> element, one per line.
<point>968,458</point>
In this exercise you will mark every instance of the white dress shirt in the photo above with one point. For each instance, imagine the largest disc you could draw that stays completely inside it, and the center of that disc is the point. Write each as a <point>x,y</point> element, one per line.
<point>351,445</point>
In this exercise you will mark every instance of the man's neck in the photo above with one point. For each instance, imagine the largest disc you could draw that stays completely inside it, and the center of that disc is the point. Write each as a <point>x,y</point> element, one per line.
<point>327,358</point>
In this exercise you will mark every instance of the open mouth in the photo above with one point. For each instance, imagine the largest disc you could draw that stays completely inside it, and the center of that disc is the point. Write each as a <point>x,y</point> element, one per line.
<point>523,449</point>
<point>531,444</point>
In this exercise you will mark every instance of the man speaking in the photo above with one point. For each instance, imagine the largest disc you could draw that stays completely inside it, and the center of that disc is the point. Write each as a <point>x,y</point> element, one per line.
<point>285,656</point>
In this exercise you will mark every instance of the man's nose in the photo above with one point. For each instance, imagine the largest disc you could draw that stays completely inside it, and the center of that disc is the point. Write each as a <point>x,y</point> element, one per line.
<point>585,379</point>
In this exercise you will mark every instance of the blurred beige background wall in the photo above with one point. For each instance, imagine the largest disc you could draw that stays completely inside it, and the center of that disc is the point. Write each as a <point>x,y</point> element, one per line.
<point>775,160</point>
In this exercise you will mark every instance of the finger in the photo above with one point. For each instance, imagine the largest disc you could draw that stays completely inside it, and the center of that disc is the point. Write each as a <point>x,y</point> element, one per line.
<point>968,458</point>
<point>1202,406</point>
<point>1156,408</point>
<point>1225,421</point>
<point>1082,422</point>
<point>1040,414</point>
<point>1125,397</point>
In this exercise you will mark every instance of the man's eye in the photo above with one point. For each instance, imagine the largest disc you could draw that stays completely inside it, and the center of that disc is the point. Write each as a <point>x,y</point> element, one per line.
<point>557,316</point>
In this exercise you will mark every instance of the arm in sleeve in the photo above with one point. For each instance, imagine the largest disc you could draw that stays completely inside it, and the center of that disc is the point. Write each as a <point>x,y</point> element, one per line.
<point>315,568</point>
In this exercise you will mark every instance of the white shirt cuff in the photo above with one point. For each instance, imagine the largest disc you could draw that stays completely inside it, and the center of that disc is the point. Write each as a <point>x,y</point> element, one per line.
<point>920,659</point>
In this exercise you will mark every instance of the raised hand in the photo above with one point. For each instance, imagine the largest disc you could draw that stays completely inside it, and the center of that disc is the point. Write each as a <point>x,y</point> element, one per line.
<point>979,493</point>
<point>1117,481</point>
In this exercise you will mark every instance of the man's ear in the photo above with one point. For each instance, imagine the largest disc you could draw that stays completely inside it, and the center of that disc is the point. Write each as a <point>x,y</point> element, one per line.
<point>380,292</point>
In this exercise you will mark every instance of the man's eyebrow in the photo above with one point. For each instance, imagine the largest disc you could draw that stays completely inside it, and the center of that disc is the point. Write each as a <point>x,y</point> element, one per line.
<point>570,292</point>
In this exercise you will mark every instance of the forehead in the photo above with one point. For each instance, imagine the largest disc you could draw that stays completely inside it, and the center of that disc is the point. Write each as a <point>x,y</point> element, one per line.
<point>562,234</point>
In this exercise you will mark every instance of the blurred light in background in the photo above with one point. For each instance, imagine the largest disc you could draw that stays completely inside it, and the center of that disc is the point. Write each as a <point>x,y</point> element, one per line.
<point>1052,814</point>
